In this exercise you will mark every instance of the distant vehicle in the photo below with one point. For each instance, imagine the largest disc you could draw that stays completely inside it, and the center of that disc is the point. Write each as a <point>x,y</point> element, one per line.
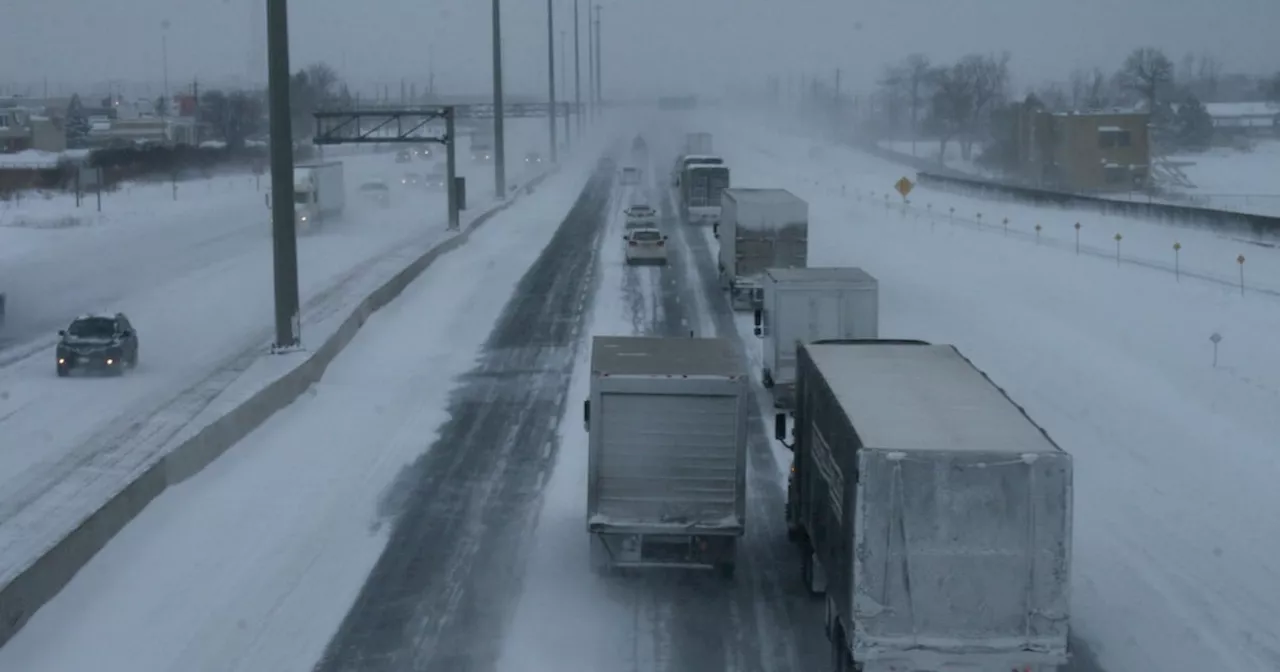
<point>639,146</point>
<point>437,178</point>
<point>423,152</point>
<point>686,160</point>
<point>482,140</point>
<point>532,157</point>
<point>667,454</point>
<point>376,192</point>
<point>412,180</point>
<point>630,176</point>
<point>697,143</point>
<point>102,343</point>
<point>404,156</point>
<point>759,229</point>
<point>319,192</point>
<point>932,513</point>
<point>641,217</point>
<point>646,246</point>
<point>701,188</point>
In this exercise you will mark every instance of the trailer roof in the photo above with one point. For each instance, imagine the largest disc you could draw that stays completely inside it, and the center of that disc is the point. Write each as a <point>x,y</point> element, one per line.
<point>757,195</point>
<point>654,356</point>
<point>925,397</point>
<point>820,274</point>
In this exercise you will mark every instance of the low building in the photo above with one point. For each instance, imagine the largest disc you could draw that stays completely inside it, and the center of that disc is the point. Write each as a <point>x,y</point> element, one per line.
<point>1082,151</point>
<point>1258,118</point>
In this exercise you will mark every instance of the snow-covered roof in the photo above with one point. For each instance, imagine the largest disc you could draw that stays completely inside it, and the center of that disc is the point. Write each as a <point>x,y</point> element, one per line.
<point>30,158</point>
<point>1256,109</point>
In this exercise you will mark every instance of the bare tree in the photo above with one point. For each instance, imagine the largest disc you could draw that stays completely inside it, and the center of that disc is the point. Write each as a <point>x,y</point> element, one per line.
<point>1208,74</point>
<point>1054,97</point>
<point>911,79</point>
<point>1097,94</point>
<point>989,84</point>
<point>1146,71</point>
<point>951,106</point>
<point>1079,83</point>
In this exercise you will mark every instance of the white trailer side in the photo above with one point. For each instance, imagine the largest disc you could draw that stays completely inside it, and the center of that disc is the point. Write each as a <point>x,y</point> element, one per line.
<point>667,421</point>
<point>803,305</point>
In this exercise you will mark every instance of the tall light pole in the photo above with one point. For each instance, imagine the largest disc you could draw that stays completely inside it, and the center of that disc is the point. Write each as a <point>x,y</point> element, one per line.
<point>564,88</point>
<point>599,66</point>
<point>164,58</point>
<point>577,69</point>
<point>551,76</point>
<point>283,236</point>
<point>499,148</point>
<point>591,62</point>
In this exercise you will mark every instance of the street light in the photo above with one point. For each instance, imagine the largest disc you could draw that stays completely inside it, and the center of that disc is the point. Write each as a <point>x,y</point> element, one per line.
<point>499,150</point>
<point>164,58</point>
<point>551,76</point>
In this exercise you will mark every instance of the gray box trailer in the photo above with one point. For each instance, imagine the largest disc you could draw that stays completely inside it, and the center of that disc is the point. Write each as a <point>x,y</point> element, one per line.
<point>934,515</point>
<point>667,456</point>
<point>802,305</point>
<point>759,229</point>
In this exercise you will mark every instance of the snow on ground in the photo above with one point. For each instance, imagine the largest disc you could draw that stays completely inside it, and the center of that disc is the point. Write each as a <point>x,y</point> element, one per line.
<point>1230,179</point>
<point>200,299</point>
<point>252,564</point>
<point>842,171</point>
<point>1175,559</point>
<point>932,149</point>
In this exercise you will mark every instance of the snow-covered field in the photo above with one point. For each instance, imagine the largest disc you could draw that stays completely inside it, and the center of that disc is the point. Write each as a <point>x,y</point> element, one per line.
<point>253,562</point>
<point>1175,553</point>
<point>1235,180</point>
<point>197,284</point>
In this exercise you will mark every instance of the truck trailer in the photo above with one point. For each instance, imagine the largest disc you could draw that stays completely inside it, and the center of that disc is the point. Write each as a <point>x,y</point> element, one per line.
<point>933,513</point>
<point>319,193</point>
<point>803,305</point>
<point>697,143</point>
<point>702,188</point>
<point>759,229</point>
<point>667,456</point>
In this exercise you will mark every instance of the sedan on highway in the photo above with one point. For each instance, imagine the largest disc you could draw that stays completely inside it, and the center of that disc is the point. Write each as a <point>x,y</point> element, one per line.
<point>102,343</point>
<point>412,180</point>
<point>376,192</point>
<point>646,246</point>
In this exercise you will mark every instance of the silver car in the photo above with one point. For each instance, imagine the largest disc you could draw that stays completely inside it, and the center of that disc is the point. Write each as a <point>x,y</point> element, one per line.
<point>645,246</point>
<point>640,217</point>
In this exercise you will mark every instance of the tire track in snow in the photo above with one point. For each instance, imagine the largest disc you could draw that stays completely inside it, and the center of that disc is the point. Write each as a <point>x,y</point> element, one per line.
<point>441,595</point>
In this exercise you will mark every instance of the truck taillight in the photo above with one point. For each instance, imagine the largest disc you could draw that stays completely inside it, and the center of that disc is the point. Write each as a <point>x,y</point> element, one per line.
<point>662,243</point>
<point>631,243</point>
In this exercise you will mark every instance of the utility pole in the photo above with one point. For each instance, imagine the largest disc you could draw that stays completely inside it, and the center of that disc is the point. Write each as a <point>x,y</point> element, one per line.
<point>551,77</point>
<point>164,57</point>
<point>591,62</point>
<point>599,67</point>
<point>577,69</point>
<point>283,236</point>
<point>499,149</point>
<point>564,88</point>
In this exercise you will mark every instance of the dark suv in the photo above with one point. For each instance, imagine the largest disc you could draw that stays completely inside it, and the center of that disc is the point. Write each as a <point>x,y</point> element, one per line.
<point>105,343</point>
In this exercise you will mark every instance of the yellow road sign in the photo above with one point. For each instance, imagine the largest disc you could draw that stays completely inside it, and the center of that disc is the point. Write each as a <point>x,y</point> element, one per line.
<point>904,186</point>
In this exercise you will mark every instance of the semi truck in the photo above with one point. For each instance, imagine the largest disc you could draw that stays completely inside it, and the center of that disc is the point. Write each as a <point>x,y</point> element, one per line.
<point>701,188</point>
<point>933,515</point>
<point>482,141</point>
<point>802,305</point>
<point>319,193</point>
<point>759,229</point>
<point>667,453</point>
<point>697,143</point>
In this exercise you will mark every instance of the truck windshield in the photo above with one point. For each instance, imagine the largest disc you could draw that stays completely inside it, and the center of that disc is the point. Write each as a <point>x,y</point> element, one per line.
<point>302,197</point>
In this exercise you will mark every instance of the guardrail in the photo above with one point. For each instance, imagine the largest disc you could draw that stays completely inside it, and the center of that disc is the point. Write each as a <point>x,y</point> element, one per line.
<point>1258,225</point>
<point>929,173</point>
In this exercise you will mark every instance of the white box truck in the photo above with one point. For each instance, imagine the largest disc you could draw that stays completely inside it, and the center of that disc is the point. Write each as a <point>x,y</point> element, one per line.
<point>759,229</point>
<point>482,142</point>
<point>667,456</point>
<point>802,305</point>
<point>932,512</point>
<point>702,187</point>
<point>319,193</point>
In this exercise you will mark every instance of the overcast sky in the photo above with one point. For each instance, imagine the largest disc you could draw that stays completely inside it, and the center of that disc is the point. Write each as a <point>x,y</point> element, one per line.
<point>649,45</point>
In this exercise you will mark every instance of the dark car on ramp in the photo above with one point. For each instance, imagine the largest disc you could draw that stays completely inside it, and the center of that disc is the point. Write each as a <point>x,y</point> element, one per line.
<point>98,343</point>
